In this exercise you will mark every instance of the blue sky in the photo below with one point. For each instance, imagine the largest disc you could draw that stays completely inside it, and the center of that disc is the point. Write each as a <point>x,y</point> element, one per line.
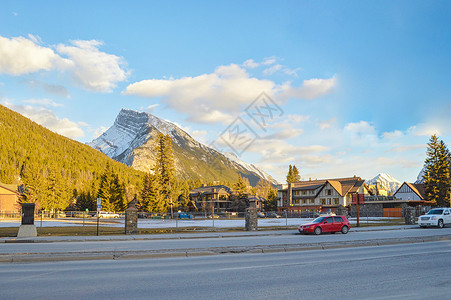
<point>361,85</point>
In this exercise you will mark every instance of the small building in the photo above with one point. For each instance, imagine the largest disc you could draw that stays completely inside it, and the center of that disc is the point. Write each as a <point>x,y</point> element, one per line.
<point>407,195</point>
<point>9,198</point>
<point>319,195</point>
<point>411,192</point>
<point>207,197</point>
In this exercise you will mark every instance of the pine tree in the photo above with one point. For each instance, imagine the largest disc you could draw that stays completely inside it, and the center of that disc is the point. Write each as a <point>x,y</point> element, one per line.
<point>437,181</point>
<point>184,199</point>
<point>271,202</point>
<point>293,174</point>
<point>296,175</point>
<point>240,199</point>
<point>111,191</point>
<point>164,171</point>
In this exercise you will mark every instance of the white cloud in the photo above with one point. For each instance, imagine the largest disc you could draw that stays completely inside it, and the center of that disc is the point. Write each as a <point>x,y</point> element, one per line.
<point>89,67</point>
<point>99,131</point>
<point>310,89</point>
<point>361,128</point>
<point>327,123</point>
<point>298,118</point>
<point>43,102</point>
<point>54,89</point>
<point>151,107</point>
<point>219,96</point>
<point>48,119</point>
<point>20,56</point>
<point>273,69</point>
<point>269,60</point>
<point>250,64</point>
<point>92,69</point>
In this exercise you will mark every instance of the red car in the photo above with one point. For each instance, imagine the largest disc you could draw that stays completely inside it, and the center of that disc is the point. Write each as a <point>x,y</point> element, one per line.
<point>326,224</point>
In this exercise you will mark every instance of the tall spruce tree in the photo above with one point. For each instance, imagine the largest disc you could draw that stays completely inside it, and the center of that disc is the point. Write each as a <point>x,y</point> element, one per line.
<point>437,181</point>
<point>111,191</point>
<point>164,171</point>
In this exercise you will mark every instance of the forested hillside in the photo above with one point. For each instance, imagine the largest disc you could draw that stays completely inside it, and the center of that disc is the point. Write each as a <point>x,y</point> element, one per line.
<point>54,170</point>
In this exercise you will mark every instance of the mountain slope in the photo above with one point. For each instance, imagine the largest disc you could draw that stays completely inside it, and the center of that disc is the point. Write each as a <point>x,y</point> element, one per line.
<point>385,182</point>
<point>132,139</point>
<point>30,150</point>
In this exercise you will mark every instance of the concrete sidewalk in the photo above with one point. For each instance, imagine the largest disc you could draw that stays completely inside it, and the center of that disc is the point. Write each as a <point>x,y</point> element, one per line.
<point>193,235</point>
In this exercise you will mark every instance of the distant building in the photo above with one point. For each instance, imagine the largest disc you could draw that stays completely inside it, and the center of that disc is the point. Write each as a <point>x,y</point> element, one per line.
<point>207,197</point>
<point>319,195</point>
<point>9,198</point>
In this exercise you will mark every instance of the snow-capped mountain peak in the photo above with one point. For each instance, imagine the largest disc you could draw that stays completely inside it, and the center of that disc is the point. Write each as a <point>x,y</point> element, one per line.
<point>385,181</point>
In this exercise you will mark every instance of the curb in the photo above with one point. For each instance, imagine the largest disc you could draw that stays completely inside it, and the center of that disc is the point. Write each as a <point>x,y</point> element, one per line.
<point>123,255</point>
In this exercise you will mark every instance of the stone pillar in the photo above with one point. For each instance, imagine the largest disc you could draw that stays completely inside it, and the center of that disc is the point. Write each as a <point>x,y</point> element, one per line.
<point>131,218</point>
<point>342,211</point>
<point>27,229</point>
<point>409,215</point>
<point>251,219</point>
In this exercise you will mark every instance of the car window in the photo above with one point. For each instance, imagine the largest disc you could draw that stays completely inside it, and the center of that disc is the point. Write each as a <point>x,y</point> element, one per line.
<point>329,220</point>
<point>318,220</point>
<point>446,212</point>
<point>435,212</point>
<point>338,219</point>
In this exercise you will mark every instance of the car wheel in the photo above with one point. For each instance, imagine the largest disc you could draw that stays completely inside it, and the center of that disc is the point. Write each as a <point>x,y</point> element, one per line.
<point>344,229</point>
<point>318,230</point>
<point>440,223</point>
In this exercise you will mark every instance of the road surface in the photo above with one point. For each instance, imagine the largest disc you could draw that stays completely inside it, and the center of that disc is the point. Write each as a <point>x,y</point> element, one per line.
<point>404,271</point>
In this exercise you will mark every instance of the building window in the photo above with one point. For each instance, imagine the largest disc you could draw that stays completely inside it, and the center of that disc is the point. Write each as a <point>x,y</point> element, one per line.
<point>329,201</point>
<point>312,192</point>
<point>329,192</point>
<point>312,201</point>
<point>336,201</point>
<point>323,201</point>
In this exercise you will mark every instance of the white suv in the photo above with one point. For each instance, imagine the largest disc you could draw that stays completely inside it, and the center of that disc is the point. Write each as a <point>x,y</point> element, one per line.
<point>435,217</point>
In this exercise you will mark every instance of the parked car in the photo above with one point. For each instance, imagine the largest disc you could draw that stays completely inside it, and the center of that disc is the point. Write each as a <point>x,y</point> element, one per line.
<point>272,215</point>
<point>213,216</point>
<point>106,214</point>
<point>326,224</point>
<point>439,217</point>
<point>184,215</point>
<point>261,215</point>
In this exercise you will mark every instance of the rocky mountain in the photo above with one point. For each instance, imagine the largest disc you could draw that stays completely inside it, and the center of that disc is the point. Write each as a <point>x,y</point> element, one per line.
<point>385,182</point>
<point>420,177</point>
<point>132,139</point>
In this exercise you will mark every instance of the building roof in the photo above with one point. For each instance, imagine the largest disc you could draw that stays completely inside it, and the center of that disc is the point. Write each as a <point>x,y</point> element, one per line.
<point>10,187</point>
<point>211,189</point>
<point>342,185</point>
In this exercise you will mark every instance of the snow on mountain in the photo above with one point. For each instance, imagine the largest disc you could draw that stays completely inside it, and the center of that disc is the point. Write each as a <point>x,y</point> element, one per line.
<point>132,137</point>
<point>385,182</point>
<point>420,177</point>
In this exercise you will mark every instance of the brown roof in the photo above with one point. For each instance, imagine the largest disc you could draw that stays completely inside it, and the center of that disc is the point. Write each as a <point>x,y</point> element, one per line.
<point>10,187</point>
<point>418,189</point>
<point>337,186</point>
<point>342,185</point>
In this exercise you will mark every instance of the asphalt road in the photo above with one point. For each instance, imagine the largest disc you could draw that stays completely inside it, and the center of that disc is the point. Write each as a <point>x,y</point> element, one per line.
<point>406,271</point>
